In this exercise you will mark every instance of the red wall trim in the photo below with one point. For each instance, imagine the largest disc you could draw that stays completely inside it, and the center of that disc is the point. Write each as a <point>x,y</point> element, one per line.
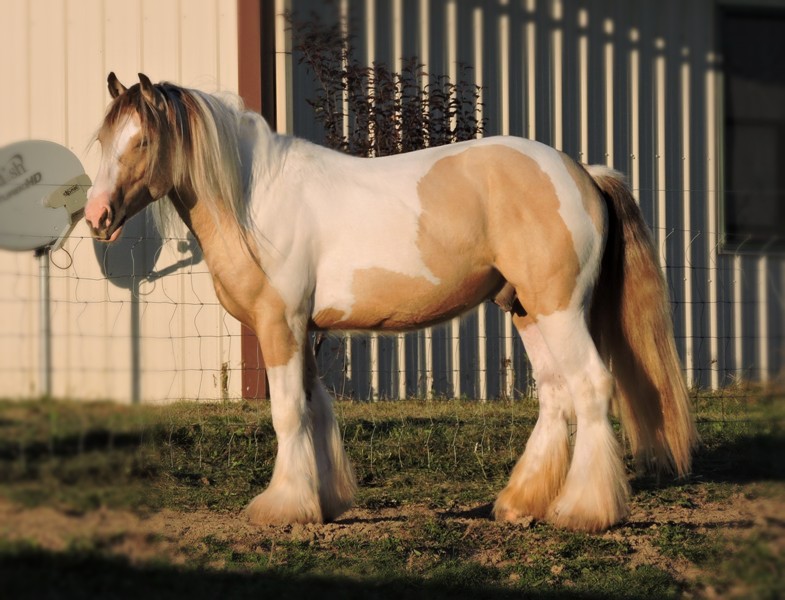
<point>250,17</point>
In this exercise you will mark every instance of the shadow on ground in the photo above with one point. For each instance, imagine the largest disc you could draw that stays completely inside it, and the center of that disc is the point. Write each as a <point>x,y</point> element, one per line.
<point>45,575</point>
<point>752,458</point>
<point>745,459</point>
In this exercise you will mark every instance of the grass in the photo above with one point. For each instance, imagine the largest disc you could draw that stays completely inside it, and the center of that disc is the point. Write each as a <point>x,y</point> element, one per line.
<point>429,469</point>
<point>216,455</point>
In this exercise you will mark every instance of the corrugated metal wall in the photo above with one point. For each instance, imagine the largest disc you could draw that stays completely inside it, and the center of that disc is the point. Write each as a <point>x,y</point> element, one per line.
<point>631,84</point>
<point>115,316</point>
<point>635,85</point>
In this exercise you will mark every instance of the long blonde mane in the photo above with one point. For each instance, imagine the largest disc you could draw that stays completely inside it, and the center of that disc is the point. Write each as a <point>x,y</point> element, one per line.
<point>205,148</point>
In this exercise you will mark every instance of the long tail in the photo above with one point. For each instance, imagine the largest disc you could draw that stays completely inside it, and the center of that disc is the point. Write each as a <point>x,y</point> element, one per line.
<point>632,327</point>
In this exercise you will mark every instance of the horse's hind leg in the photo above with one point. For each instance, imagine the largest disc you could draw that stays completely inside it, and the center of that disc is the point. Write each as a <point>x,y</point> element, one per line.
<point>337,484</point>
<point>595,492</point>
<point>540,472</point>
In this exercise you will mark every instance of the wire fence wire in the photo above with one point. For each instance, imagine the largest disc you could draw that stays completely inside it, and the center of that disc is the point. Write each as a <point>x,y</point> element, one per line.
<point>139,321</point>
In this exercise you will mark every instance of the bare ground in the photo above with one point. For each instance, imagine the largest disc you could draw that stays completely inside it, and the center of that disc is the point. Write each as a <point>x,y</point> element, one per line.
<point>173,537</point>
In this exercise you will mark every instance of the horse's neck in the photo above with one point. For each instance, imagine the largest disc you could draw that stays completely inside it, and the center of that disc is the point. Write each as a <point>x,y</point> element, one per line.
<point>223,236</point>
<point>237,275</point>
<point>216,230</point>
<point>210,219</point>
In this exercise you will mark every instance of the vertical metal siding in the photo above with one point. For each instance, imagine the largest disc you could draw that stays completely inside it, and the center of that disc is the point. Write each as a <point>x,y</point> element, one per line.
<point>129,337</point>
<point>635,85</point>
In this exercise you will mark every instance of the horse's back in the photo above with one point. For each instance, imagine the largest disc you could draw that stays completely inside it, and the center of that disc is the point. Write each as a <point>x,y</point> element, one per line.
<point>413,239</point>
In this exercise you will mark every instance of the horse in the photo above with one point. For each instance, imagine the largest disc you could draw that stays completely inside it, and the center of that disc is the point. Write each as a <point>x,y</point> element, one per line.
<point>298,237</point>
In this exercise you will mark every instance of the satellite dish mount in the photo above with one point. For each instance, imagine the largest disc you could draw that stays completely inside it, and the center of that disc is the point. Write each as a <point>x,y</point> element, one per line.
<point>43,190</point>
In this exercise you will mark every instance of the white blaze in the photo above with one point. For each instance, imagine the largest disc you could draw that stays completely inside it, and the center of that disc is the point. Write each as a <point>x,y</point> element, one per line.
<point>108,172</point>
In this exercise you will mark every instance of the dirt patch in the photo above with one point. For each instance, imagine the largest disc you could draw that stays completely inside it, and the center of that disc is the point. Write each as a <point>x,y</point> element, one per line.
<point>176,537</point>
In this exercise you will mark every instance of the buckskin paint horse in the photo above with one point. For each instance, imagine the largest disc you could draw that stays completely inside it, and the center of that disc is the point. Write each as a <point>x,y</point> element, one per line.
<point>298,237</point>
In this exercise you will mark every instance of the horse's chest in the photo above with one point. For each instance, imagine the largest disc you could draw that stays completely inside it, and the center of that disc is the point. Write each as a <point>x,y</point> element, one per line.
<point>238,295</point>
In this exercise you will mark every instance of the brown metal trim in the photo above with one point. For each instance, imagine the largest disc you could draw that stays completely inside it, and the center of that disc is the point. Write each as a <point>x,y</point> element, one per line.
<point>249,46</point>
<point>254,371</point>
<point>256,73</point>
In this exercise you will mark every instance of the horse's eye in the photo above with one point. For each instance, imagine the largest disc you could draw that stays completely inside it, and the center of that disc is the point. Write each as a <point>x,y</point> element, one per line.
<point>143,144</point>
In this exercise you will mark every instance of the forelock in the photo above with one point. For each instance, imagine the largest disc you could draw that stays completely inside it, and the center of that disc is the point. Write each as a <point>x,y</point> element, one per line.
<point>124,107</point>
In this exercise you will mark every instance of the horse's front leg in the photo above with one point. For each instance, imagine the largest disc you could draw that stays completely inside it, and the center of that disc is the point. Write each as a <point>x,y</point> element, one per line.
<point>310,463</point>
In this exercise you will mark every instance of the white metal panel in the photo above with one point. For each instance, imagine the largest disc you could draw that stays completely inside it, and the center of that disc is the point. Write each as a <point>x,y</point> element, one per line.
<point>763,318</point>
<point>122,43</point>
<point>161,42</point>
<point>660,176</point>
<point>711,201</point>
<point>108,332</point>
<point>200,50</point>
<point>583,84</point>
<point>48,60</point>
<point>18,324</point>
<point>686,199</point>
<point>228,59</point>
<point>84,104</point>
<point>609,98</point>
<point>482,326</point>
<point>531,69</point>
<point>18,272</point>
<point>15,99</point>
<point>655,115</point>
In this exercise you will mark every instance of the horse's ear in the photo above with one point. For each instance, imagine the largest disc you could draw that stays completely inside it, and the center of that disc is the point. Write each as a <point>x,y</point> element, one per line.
<point>150,92</point>
<point>115,87</point>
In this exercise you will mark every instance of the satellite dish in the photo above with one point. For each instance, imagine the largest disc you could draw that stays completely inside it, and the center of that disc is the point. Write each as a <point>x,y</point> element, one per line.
<point>43,190</point>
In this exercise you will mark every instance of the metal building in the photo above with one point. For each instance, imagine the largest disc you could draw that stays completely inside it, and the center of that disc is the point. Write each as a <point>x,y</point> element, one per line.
<point>686,98</point>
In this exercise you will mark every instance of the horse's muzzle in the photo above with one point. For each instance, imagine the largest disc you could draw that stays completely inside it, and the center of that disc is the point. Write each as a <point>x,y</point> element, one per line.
<point>106,236</point>
<point>104,225</point>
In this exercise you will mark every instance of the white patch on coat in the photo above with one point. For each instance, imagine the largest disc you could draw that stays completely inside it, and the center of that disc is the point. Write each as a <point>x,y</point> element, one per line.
<point>337,215</point>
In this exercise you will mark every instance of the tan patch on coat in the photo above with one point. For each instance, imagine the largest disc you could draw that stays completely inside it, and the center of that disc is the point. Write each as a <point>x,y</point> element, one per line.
<point>452,239</point>
<point>410,302</point>
<point>521,322</point>
<point>489,213</point>
<point>532,489</point>
<point>240,284</point>
<point>533,247</point>
<point>327,318</point>
<point>276,338</point>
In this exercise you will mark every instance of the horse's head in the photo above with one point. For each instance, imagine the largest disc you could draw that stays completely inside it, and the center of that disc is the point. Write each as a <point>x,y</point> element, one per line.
<point>135,165</point>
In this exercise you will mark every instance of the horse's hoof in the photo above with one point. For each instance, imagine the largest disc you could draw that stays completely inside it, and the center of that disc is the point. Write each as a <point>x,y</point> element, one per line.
<point>510,515</point>
<point>273,507</point>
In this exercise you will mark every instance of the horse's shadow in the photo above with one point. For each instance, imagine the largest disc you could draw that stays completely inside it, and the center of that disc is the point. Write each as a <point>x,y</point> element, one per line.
<point>478,513</point>
<point>748,458</point>
<point>132,258</point>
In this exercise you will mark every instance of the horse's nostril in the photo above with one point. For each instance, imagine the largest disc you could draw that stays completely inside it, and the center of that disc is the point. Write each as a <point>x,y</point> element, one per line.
<point>99,217</point>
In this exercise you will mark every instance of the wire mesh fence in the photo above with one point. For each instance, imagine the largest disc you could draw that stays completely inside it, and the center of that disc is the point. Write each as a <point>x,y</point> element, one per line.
<point>139,321</point>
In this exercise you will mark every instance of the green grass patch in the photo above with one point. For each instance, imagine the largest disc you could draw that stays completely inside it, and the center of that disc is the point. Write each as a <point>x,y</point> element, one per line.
<point>450,456</point>
<point>679,540</point>
<point>219,455</point>
<point>753,569</point>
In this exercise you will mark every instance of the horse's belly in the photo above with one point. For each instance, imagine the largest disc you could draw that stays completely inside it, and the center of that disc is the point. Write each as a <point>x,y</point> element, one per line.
<point>385,300</point>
